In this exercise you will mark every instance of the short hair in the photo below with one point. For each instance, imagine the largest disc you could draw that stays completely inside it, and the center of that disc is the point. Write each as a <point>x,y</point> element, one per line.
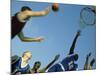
<point>37,62</point>
<point>26,52</point>
<point>25,8</point>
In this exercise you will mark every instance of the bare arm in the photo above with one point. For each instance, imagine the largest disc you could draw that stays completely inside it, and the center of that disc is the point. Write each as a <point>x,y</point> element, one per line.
<point>74,42</point>
<point>39,13</point>
<point>50,64</point>
<point>86,62</point>
<point>27,39</point>
<point>91,64</point>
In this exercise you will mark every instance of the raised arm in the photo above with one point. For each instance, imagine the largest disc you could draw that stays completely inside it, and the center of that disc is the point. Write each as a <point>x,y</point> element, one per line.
<point>86,62</point>
<point>74,42</point>
<point>39,13</point>
<point>91,64</point>
<point>50,64</point>
<point>27,39</point>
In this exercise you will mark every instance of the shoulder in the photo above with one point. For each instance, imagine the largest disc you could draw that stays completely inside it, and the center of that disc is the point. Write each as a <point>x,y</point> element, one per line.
<point>14,15</point>
<point>14,59</point>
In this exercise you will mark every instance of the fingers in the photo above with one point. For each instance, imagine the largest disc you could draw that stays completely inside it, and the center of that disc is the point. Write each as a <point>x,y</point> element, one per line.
<point>39,39</point>
<point>57,57</point>
<point>78,32</point>
<point>92,62</point>
<point>89,54</point>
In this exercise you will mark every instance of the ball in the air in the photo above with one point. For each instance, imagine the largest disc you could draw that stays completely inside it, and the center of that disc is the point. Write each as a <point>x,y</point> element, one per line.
<point>55,7</point>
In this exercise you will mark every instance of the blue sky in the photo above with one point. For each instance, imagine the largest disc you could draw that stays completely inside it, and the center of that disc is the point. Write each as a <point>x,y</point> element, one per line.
<point>58,29</point>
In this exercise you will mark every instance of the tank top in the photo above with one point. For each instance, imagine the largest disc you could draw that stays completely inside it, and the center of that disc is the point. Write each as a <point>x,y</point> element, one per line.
<point>16,26</point>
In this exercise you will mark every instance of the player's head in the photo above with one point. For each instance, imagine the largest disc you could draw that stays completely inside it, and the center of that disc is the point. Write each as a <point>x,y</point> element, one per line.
<point>27,56</point>
<point>24,8</point>
<point>37,65</point>
<point>76,57</point>
<point>73,57</point>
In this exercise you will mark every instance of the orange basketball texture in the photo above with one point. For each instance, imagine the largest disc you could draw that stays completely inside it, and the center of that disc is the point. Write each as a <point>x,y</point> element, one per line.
<point>55,7</point>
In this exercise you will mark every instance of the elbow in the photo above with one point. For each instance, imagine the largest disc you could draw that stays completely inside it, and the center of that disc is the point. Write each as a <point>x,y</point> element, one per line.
<point>22,39</point>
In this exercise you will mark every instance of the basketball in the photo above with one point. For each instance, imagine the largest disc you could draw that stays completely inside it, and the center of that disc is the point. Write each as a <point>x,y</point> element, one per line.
<point>55,7</point>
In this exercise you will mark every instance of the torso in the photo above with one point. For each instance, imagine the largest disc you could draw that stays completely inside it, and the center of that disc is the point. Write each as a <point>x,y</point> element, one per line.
<point>17,24</point>
<point>69,64</point>
<point>23,64</point>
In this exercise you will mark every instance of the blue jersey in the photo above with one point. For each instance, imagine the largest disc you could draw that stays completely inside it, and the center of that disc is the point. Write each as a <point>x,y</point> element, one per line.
<point>67,64</point>
<point>17,65</point>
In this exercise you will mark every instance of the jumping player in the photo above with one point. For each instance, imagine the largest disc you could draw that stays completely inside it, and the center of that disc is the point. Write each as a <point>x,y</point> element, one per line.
<point>20,19</point>
<point>68,63</point>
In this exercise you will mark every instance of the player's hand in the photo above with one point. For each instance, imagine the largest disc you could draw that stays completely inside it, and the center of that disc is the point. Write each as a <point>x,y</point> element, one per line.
<point>48,8</point>
<point>39,39</point>
<point>57,57</point>
<point>78,32</point>
<point>88,55</point>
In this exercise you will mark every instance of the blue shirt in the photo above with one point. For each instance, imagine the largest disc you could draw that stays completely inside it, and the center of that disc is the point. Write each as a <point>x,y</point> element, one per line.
<point>67,64</point>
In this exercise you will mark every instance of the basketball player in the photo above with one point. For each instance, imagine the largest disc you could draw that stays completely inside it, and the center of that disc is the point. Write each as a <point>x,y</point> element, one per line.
<point>20,19</point>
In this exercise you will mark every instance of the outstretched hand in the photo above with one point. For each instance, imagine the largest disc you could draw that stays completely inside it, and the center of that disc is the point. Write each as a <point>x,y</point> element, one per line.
<point>39,39</point>
<point>88,55</point>
<point>57,57</point>
<point>78,32</point>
